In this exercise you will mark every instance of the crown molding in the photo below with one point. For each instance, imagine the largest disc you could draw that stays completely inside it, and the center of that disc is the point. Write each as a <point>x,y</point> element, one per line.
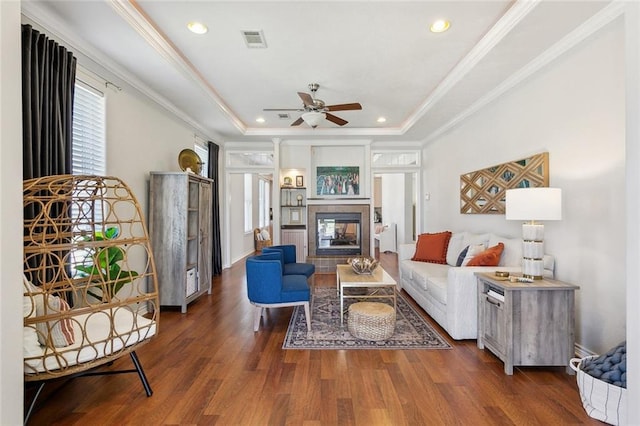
<point>130,12</point>
<point>588,28</point>
<point>324,131</point>
<point>43,19</point>
<point>509,20</point>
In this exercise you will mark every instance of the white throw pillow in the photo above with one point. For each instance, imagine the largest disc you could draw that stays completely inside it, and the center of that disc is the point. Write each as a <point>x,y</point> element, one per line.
<point>512,253</point>
<point>474,249</point>
<point>30,345</point>
<point>455,247</point>
<point>61,333</point>
<point>265,235</point>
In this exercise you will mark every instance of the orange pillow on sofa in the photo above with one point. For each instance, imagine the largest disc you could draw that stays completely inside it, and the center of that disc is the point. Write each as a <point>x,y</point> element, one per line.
<point>432,248</point>
<point>489,257</point>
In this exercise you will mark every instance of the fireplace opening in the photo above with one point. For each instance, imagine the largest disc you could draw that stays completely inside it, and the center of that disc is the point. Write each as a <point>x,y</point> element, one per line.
<point>338,233</point>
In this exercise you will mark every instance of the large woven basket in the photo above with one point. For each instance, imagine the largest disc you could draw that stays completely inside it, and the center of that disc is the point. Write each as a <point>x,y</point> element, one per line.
<point>601,400</point>
<point>371,321</point>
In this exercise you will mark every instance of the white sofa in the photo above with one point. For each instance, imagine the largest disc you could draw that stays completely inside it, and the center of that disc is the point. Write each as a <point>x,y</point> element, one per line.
<point>448,293</point>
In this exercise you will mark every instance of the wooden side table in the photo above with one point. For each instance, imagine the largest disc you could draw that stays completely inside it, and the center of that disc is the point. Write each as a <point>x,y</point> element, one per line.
<point>529,324</point>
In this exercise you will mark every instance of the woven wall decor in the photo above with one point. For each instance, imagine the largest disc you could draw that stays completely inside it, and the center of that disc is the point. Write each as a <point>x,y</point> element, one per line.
<point>483,191</point>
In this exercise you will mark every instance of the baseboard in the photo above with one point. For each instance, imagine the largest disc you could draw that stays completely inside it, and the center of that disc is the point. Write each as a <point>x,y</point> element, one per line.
<point>582,352</point>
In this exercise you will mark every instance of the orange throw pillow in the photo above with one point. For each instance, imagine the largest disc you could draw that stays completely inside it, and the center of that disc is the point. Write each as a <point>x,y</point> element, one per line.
<point>489,257</point>
<point>432,248</point>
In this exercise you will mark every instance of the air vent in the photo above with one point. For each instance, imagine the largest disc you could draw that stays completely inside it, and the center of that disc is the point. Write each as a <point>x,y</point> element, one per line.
<point>283,116</point>
<point>254,38</point>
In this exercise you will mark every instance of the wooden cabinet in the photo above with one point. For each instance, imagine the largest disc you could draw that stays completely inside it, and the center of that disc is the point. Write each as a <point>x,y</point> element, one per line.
<point>528,324</point>
<point>180,220</point>
<point>297,237</point>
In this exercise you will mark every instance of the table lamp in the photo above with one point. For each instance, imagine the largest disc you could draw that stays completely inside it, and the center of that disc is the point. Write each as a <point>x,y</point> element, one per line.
<point>532,205</point>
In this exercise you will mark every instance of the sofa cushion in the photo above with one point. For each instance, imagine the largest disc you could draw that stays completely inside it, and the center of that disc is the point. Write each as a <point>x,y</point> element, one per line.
<point>420,272</point>
<point>437,286</point>
<point>489,257</point>
<point>512,254</point>
<point>455,247</point>
<point>432,247</point>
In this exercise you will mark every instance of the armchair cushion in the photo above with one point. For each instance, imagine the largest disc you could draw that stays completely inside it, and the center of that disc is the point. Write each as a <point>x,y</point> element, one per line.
<point>294,288</point>
<point>289,264</point>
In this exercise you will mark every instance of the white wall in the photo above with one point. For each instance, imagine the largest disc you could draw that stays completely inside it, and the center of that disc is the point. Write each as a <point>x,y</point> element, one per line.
<point>632,43</point>
<point>11,388</point>
<point>574,109</point>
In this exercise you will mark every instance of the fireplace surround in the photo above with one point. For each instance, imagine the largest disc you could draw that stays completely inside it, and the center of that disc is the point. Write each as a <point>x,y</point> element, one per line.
<point>324,260</point>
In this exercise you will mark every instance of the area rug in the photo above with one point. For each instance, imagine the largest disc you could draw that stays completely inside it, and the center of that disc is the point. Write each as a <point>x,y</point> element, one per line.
<point>411,332</point>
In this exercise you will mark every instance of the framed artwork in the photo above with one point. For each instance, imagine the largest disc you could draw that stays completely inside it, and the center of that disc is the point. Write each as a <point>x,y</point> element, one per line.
<point>483,191</point>
<point>295,216</point>
<point>299,181</point>
<point>337,181</point>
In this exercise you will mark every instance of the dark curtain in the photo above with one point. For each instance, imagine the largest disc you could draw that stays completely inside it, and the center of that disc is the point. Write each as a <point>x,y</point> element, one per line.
<point>48,81</point>
<point>214,168</point>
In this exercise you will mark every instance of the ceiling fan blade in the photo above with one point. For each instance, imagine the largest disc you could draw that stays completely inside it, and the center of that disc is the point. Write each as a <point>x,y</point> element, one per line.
<point>306,99</point>
<point>298,122</point>
<point>339,121</point>
<point>343,107</point>
<point>282,109</point>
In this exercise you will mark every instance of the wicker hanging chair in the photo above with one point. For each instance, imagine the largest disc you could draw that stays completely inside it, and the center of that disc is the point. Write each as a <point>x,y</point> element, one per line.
<point>90,287</point>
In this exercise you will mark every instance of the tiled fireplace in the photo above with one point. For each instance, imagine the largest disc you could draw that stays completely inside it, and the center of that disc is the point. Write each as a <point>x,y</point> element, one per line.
<point>337,232</point>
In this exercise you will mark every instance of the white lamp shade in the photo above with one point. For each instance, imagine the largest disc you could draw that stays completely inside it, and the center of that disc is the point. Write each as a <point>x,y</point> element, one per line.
<point>313,118</point>
<point>533,204</point>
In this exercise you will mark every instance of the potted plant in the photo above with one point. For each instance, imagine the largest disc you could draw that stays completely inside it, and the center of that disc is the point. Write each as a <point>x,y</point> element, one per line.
<point>104,266</point>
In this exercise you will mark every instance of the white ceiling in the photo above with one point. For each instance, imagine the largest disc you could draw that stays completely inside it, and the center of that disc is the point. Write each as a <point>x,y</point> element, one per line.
<point>378,53</point>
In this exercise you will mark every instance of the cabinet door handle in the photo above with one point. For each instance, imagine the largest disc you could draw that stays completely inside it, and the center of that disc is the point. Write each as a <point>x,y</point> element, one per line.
<point>490,300</point>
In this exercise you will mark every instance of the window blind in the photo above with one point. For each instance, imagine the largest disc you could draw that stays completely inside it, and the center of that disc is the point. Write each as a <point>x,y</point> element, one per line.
<point>88,148</point>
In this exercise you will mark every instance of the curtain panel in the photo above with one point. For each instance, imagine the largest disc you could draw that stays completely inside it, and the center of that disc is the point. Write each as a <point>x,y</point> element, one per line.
<point>214,169</point>
<point>48,82</point>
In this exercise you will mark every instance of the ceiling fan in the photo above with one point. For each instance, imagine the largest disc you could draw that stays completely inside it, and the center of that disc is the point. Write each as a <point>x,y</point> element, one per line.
<point>314,110</point>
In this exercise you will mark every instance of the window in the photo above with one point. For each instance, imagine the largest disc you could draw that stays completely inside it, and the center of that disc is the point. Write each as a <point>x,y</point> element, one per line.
<point>88,147</point>
<point>88,156</point>
<point>248,203</point>
<point>263,202</point>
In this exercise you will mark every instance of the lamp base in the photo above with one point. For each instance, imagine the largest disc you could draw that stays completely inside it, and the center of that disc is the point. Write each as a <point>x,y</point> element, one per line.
<point>532,268</point>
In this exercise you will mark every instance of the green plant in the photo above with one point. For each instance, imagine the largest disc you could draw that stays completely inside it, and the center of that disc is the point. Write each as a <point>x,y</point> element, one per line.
<point>105,265</point>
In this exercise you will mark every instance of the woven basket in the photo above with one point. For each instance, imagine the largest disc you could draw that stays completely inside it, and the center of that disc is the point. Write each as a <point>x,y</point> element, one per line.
<point>371,321</point>
<point>601,400</point>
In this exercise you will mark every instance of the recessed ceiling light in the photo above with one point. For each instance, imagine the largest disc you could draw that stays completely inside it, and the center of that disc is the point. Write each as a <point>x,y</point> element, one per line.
<point>381,120</point>
<point>260,120</point>
<point>440,26</point>
<point>197,27</point>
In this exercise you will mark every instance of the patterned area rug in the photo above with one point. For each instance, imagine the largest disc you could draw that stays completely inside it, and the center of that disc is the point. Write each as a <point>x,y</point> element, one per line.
<point>411,332</point>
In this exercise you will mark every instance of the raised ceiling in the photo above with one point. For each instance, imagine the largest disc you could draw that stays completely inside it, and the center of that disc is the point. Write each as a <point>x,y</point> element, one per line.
<point>378,53</point>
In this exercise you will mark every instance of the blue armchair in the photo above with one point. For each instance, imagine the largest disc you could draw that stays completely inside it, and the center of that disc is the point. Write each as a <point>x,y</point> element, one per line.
<point>289,264</point>
<point>267,287</point>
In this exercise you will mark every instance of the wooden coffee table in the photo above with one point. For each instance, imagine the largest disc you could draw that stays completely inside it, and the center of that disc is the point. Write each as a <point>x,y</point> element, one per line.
<point>346,278</point>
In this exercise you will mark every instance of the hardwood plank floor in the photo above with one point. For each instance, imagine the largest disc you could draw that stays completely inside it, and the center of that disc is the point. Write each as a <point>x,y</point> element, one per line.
<point>209,367</point>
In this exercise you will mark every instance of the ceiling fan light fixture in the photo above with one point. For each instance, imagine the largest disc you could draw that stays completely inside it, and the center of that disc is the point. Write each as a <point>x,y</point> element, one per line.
<point>197,27</point>
<point>313,118</point>
<point>440,26</point>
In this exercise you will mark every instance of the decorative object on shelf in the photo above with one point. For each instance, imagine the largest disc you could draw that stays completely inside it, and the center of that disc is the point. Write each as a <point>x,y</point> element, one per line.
<point>190,161</point>
<point>287,181</point>
<point>483,191</point>
<point>295,216</point>
<point>363,265</point>
<point>533,204</point>
<point>299,199</point>
<point>338,181</point>
<point>299,181</point>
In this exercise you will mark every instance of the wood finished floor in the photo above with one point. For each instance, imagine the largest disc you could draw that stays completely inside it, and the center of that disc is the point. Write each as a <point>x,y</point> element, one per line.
<point>208,367</point>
